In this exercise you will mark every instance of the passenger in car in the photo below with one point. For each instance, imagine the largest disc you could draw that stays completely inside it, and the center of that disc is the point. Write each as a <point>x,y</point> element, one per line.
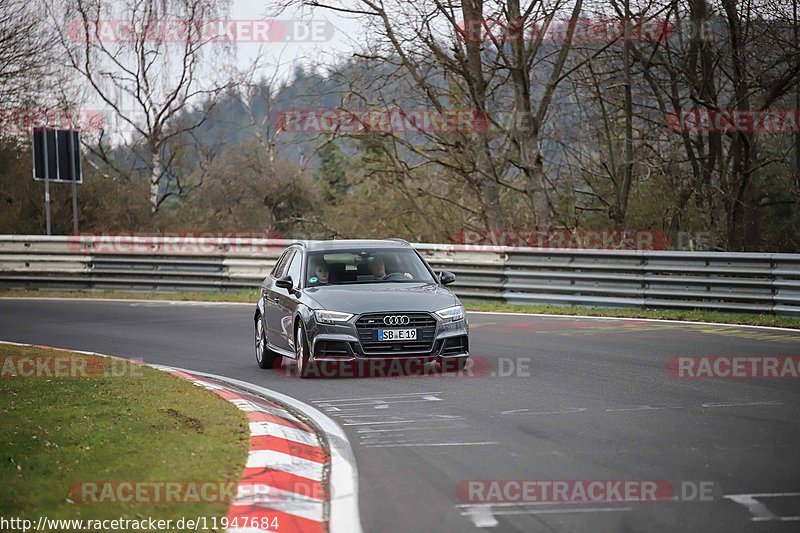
<point>321,273</point>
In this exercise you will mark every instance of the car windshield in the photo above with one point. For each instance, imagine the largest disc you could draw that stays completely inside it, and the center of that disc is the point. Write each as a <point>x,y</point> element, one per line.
<point>346,267</point>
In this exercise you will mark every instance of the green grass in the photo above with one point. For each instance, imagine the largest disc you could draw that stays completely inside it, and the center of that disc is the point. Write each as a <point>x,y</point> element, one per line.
<point>138,424</point>
<point>251,296</point>
<point>244,296</point>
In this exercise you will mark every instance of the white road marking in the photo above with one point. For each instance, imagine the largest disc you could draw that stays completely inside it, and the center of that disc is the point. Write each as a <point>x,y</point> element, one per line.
<point>207,385</point>
<point>756,508</point>
<point>379,423</point>
<point>641,408</point>
<point>309,509</point>
<point>347,416</point>
<point>376,397</point>
<point>737,404</point>
<point>483,516</point>
<point>367,431</point>
<point>251,407</point>
<point>563,411</point>
<point>567,511</point>
<point>245,405</point>
<point>419,444</point>
<point>509,504</point>
<point>285,463</point>
<point>759,510</point>
<point>431,418</point>
<point>377,404</point>
<point>769,495</point>
<point>260,429</point>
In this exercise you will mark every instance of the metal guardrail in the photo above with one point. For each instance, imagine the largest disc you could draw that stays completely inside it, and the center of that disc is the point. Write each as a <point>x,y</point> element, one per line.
<point>741,282</point>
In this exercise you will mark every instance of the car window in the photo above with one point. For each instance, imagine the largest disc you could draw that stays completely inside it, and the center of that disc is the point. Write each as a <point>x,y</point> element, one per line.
<point>367,265</point>
<point>294,268</point>
<point>280,266</point>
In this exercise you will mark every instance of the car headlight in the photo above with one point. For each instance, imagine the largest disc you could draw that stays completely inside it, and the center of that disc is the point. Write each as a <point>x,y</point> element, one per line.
<point>331,317</point>
<point>454,313</point>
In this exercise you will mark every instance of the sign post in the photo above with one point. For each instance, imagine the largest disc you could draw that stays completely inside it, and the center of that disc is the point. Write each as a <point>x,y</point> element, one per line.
<point>46,183</point>
<point>73,183</point>
<point>56,158</point>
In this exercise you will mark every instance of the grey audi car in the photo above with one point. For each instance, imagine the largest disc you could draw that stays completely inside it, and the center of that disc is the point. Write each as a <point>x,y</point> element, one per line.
<point>358,300</point>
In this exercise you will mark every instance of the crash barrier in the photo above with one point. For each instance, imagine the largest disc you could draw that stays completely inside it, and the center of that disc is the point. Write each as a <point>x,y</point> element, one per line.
<point>740,282</point>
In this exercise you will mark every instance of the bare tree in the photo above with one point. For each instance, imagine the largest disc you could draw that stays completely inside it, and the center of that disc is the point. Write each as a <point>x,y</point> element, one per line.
<point>25,50</point>
<point>144,61</point>
<point>728,60</point>
<point>450,56</point>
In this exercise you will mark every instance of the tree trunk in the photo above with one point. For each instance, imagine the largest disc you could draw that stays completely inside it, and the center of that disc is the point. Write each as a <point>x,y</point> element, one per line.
<point>491,209</point>
<point>625,188</point>
<point>743,213</point>
<point>155,179</point>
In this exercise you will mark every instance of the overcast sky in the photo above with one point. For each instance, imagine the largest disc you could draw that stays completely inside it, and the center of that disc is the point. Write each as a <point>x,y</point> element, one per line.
<point>339,36</point>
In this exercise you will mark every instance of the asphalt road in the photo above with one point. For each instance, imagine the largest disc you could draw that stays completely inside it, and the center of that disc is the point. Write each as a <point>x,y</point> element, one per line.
<point>549,399</point>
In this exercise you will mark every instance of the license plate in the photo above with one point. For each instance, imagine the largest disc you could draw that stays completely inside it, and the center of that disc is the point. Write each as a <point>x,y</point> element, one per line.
<point>397,334</point>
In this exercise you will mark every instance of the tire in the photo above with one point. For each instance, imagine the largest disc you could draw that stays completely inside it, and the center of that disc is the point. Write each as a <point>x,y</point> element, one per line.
<point>302,352</point>
<point>454,365</point>
<point>265,358</point>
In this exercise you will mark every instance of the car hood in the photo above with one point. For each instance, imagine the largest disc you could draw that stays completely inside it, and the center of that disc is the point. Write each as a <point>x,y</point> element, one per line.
<point>375,297</point>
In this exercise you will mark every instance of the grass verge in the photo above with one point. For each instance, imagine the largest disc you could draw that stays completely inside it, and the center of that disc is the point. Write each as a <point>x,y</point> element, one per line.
<point>115,422</point>
<point>238,297</point>
<point>251,296</point>
<point>689,315</point>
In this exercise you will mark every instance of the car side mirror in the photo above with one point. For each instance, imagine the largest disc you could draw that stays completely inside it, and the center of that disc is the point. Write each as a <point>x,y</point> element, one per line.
<point>446,277</point>
<point>285,283</point>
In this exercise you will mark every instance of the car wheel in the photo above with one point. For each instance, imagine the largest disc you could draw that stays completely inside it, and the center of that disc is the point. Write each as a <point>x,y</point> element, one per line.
<point>454,365</point>
<point>302,352</point>
<point>265,358</point>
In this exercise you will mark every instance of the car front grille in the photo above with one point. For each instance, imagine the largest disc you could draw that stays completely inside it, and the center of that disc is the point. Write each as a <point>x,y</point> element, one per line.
<point>424,323</point>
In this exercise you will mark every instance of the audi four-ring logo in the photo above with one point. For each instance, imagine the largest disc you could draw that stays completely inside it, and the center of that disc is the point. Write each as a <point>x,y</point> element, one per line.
<point>396,320</point>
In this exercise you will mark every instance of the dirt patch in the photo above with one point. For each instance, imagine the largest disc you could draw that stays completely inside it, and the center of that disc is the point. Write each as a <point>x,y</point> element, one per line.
<point>184,420</point>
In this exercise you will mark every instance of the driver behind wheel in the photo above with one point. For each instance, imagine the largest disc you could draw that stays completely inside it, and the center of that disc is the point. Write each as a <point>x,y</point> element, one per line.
<point>377,268</point>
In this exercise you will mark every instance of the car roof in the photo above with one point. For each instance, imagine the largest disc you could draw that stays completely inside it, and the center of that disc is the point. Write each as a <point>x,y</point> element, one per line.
<point>345,244</point>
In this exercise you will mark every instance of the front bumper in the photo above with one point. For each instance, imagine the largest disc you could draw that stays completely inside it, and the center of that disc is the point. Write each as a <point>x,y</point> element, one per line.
<point>346,342</point>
